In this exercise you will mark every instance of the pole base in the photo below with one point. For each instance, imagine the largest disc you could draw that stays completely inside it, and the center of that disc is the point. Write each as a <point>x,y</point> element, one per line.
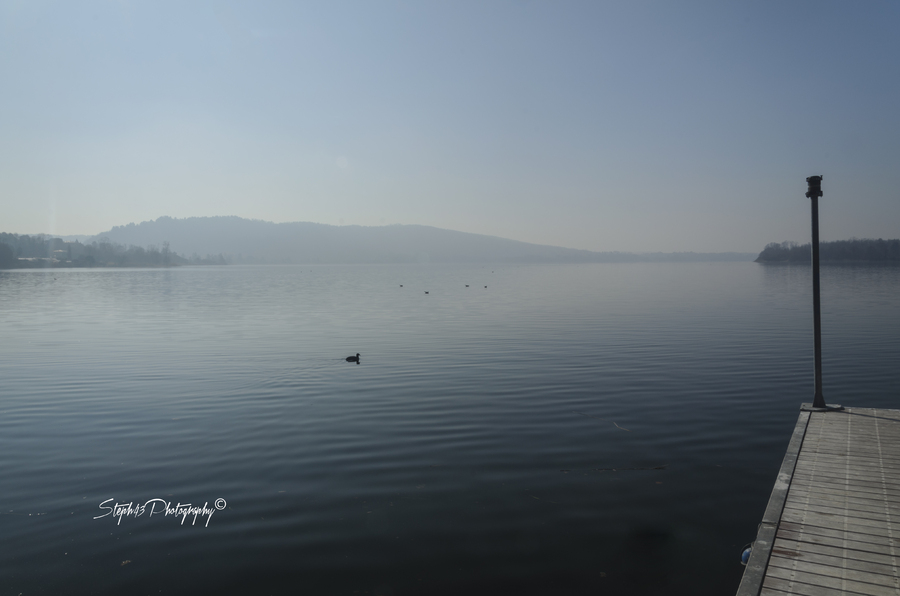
<point>827,408</point>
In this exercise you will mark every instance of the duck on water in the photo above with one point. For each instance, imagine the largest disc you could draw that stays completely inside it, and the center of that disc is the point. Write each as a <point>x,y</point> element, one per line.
<point>353,358</point>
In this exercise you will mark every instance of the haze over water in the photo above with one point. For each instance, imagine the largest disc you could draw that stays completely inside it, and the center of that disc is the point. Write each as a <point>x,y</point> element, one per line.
<point>566,429</point>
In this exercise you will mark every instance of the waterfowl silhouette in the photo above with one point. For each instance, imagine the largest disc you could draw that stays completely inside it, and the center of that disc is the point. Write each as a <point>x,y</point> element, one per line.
<point>353,358</point>
<point>426,292</point>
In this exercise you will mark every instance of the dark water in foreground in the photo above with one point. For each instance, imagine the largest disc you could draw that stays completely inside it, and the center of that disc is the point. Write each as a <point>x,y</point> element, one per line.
<point>499,440</point>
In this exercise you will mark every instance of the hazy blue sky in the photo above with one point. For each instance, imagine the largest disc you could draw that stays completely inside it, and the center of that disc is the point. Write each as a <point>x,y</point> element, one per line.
<point>633,126</point>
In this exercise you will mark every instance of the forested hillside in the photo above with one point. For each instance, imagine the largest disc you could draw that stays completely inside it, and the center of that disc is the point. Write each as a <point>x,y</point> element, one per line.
<point>18,251</point>
<point>838,250</point>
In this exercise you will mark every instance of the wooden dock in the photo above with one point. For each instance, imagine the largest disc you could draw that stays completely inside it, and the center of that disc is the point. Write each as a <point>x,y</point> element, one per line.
<point>832,525</point>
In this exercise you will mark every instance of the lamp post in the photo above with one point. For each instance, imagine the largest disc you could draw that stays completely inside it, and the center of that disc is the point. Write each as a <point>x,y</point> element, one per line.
<point>814,192</point>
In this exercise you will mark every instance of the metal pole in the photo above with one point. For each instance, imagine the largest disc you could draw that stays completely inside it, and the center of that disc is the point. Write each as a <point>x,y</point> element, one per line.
<point>814,192</point>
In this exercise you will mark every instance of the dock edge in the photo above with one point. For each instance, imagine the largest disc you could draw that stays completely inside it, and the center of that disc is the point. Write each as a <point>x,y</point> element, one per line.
<point>755,573</point>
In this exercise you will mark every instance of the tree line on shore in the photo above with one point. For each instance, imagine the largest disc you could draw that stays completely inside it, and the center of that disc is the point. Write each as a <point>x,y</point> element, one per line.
<point>24,251</point>
<point>839,250</point>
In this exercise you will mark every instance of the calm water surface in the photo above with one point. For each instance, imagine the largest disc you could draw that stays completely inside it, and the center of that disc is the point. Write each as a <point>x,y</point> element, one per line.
<point>608,428</point>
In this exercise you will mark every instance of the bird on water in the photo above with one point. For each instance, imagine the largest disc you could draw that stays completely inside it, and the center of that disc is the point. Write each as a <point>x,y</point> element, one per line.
<point>353,358</point>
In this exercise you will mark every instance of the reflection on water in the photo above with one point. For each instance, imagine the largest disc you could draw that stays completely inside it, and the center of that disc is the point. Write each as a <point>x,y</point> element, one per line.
<point>567,429</point>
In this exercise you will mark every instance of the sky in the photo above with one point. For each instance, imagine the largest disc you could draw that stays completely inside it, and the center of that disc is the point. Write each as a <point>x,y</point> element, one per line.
<point>609,126</point>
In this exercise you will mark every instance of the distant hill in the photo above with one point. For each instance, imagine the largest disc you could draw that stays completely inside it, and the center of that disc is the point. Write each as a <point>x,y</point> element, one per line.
<point>252,241</point>
<point>839,250</point>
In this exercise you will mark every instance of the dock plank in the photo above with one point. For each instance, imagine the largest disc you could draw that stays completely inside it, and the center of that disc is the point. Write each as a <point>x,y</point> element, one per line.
<point>845,543</point>
<point>876,574</point>
<point>835,582</point>
<point>833,521</point>
<point>787,529</point>
<point>795,549</point>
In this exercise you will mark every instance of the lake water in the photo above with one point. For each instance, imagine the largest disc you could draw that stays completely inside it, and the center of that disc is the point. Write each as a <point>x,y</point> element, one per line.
<point>601,428</point>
